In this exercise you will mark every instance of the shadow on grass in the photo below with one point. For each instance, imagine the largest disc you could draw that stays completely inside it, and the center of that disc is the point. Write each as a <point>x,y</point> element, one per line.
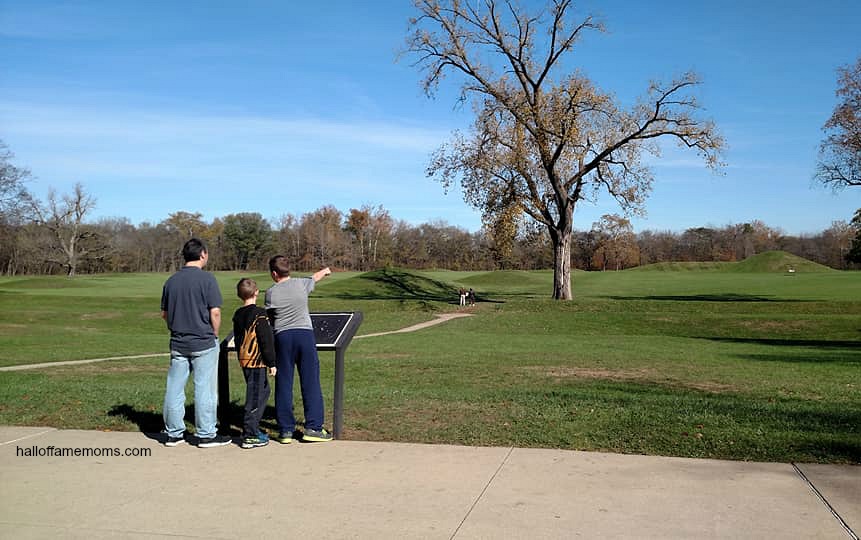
<point>800,350</point>
<point>394,284</point>
<point>231,418</point>
<point>149,422</point>
<point>810,429</point>
<point>726,297</point>
<point>817,343</point>
<point>397,284</point>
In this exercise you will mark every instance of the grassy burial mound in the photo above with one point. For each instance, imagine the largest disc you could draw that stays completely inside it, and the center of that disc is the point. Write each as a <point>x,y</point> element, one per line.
<point>510,283</point>
<point>770,261</point>
<point>681,267</point>
<point>778,261</point>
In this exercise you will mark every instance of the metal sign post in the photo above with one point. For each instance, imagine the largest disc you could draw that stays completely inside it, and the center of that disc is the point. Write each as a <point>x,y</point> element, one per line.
<point>332,332</point>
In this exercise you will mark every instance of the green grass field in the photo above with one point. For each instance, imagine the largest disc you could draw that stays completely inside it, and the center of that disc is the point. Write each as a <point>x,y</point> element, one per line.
<point>734,360</point>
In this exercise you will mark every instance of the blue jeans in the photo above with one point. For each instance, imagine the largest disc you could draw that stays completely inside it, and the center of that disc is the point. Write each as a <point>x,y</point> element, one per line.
<point>296,347</point>
<point>204,366</point>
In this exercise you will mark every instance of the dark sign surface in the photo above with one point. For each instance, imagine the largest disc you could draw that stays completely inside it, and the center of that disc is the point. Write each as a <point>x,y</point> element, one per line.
<point>329,328</point>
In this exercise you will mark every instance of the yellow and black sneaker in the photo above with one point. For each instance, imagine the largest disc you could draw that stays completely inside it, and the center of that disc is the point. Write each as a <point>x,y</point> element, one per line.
<point>313,435</point>
<point>284,438</point>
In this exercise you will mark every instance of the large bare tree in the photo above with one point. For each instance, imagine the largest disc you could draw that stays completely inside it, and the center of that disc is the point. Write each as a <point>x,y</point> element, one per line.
<point>63,217</point>
<point>544,137</point>
<point>840,152</point>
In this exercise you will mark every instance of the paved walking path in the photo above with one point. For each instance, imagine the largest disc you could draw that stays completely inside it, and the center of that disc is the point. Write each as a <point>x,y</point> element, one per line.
<point>439,319</point>
<point>352,489</point>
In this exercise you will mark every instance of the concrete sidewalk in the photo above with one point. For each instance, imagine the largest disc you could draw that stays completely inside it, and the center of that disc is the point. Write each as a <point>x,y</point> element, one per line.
<point>350,489</point>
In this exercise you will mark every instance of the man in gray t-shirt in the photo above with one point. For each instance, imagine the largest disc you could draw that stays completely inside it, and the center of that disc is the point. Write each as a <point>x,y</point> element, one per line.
<point>295,348</point>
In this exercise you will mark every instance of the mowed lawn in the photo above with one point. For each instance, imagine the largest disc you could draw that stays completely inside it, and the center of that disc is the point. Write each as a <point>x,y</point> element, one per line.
<point>705,362</point>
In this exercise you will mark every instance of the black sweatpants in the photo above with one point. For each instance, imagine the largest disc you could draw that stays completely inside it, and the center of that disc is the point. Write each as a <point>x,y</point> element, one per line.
<point>256,396</point>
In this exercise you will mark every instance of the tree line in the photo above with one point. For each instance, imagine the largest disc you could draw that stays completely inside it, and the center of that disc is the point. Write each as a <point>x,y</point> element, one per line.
<point>58,239</point>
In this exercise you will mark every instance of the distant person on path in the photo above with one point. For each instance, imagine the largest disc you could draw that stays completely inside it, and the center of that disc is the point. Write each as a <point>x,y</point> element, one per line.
<point>255,345</point>
<point>287,307</point>
<point>191,306</point>
<point>462,297</point>
<point>471,295</point>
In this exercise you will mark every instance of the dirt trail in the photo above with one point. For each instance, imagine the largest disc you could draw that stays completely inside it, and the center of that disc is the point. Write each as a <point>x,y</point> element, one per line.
<point>439,319</point>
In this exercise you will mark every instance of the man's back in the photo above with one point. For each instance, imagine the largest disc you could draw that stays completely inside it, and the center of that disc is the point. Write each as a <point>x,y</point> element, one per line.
<point>187,298</point>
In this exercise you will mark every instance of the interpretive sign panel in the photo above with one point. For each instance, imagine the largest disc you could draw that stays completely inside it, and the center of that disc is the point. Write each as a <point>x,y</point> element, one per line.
<point>334,330</point>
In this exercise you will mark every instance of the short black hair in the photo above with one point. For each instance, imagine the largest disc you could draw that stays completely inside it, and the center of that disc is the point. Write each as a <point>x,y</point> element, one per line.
<point>193,250</point>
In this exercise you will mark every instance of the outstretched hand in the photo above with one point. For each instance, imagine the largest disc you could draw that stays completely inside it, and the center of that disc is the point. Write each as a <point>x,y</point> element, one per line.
<point>322,273</point>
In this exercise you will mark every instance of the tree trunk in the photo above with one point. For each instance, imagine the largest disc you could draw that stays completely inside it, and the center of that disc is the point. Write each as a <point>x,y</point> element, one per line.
<point>561,264</point>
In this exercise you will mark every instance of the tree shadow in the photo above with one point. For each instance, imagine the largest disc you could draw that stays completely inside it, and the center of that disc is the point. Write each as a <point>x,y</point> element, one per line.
<point>400,285</point>
<point>726,297</point>
<point>813,358</point>
<point>817,343</point>
<point>813,351</point>
<point>823,430</point>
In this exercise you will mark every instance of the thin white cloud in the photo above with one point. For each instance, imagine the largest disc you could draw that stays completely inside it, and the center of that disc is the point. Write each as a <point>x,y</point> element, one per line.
<point>34,120</point>
<point>202,157</point>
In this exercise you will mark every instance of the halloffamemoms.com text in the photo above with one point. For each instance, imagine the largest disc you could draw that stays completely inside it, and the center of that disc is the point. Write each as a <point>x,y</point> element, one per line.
<point>57,451</point>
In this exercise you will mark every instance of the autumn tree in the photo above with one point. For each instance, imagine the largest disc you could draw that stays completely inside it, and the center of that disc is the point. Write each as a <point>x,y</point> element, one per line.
<point>247,235</point>
<point>532,248</point>
<point>379,235</point>
<point>358,223</point>
<point>617,245</point>
<point>656,246</point>
<point>544,136</point>
<point>63,219</point>
<point>323,238</point>
<point>502,231</point>
<point>699,243</point>
<point>839,163</point>
<point>836,243</point>
<point>370,230</point>
<point>121,248</point>
<point>287,238</point>
<point>854,253</point>
<point>176,229</point>
<point>185,225</point>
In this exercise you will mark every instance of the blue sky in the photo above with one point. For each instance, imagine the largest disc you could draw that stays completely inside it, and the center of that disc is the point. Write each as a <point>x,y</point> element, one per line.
<point>282,107</point>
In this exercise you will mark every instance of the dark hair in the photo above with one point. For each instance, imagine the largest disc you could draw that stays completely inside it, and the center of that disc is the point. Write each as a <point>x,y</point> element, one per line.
<point>193,250</point>
<point>246,288</point>
<point>280,265</point>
